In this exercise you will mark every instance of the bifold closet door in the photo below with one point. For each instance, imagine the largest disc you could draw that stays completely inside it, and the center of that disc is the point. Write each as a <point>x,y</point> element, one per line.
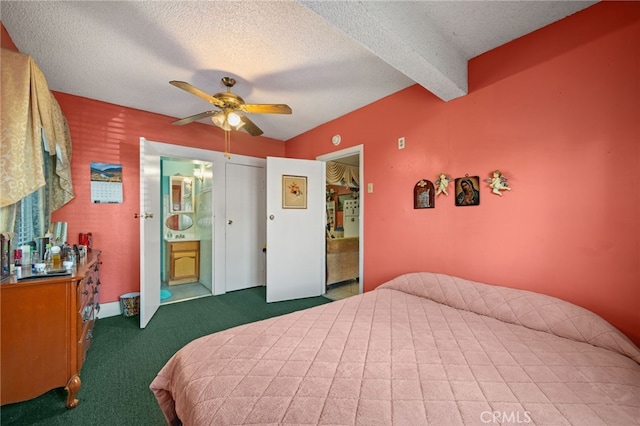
<point>245,227</point>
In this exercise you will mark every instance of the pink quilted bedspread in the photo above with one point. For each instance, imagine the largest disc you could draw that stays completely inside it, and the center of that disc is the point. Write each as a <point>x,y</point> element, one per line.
<point>421,349</point>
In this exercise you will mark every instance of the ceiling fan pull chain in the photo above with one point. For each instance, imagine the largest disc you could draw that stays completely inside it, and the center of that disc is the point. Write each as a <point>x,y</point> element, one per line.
<point>227,144</point>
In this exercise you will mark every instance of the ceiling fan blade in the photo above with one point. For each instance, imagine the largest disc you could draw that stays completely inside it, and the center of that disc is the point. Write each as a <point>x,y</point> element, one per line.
<point>266,108</point>
<point>248,126</point>
<point>193,118</point>
<point>195,91</point>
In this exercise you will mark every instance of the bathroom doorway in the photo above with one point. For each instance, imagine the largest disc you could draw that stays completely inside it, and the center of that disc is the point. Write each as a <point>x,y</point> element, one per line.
<point>187,234</point>
<point>345,210</point>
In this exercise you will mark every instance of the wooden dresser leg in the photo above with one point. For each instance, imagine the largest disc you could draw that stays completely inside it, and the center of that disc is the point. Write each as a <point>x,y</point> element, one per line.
<point>72,389</point>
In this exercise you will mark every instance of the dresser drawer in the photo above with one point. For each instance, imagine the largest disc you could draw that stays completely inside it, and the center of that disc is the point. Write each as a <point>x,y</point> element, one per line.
<point>86,316</point>
<point>84,342</point>
<point>184,245</point>
<point>87,309</point>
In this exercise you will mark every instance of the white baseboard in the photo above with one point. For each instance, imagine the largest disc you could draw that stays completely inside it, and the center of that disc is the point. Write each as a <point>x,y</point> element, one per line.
<point>110,309</point>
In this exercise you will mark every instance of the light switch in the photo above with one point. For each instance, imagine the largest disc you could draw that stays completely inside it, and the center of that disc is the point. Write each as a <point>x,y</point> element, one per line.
<point>370,187</point>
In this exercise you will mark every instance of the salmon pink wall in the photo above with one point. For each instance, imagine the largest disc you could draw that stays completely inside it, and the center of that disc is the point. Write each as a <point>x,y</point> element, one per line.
<point>557,111</point>
<point>110,133</point>
<point>5,39</point>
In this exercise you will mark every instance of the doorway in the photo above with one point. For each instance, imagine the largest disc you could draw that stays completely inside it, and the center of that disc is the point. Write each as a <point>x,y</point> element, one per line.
<point>187,235</point>
<point>345,211</point>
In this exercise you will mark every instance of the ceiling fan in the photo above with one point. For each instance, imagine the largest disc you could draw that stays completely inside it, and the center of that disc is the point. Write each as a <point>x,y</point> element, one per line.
<point>230,116</point>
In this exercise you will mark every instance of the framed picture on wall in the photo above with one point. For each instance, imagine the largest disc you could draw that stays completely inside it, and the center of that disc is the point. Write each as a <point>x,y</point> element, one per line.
<point>467,191</point>
<point>423,195</point>
<point>294,192</point>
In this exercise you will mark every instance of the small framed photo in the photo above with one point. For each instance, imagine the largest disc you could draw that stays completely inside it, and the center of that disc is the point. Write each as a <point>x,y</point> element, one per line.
<point>294,192</point>
<point>468,191</point>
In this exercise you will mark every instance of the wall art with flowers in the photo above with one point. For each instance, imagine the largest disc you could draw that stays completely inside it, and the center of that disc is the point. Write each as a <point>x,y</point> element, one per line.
<point>294,192</point>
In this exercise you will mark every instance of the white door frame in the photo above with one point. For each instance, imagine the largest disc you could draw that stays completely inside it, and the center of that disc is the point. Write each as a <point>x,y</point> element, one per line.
<point>336,155</point>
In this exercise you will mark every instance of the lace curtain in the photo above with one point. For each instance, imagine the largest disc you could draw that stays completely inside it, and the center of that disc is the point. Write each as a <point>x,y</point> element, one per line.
<point>342,174</point>
<point>35,149</point>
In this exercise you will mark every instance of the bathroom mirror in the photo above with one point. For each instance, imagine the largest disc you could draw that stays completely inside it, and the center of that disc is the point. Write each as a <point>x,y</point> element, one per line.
<point>181,194</point>
<point>179,222</point>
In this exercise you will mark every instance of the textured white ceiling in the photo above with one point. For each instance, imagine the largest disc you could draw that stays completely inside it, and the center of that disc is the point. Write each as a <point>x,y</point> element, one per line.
<point>324,59</point>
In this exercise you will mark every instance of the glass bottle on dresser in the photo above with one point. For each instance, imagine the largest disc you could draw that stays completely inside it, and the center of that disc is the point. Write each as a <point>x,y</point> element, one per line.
<point>47,257</point>
<point>56,258</point>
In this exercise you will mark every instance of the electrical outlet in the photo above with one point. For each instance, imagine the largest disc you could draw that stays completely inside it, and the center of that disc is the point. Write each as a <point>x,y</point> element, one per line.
<point>370,187</point>
<point>401,143</point>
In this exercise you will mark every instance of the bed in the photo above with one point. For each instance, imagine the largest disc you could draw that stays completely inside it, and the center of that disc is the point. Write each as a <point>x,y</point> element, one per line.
<point>423,349</point>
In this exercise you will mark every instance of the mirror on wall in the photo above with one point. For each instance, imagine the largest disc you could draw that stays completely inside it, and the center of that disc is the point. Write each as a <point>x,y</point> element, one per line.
<point>179,222</point>
<point>181,194</point>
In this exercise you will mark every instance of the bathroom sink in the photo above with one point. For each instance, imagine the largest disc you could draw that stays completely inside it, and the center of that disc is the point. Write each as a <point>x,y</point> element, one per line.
<point>174,239</point>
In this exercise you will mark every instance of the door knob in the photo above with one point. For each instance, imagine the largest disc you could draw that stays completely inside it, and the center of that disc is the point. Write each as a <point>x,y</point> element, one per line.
<point>272,217</point>
<point>230,222</point>
<point>143,216</point>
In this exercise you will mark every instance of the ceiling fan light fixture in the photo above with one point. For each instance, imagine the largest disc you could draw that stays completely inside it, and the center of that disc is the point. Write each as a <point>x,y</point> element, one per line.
<point>233,119</point>
<point>219,120</point>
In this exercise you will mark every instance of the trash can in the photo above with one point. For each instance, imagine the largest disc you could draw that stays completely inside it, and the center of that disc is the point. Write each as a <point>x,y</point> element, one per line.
<point>130,304</point>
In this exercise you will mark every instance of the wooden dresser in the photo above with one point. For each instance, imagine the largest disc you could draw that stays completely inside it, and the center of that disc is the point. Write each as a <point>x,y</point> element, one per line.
<point>47,327</point>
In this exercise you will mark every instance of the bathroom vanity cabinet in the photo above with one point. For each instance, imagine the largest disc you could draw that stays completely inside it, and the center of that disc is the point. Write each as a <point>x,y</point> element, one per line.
<point>183,260</point>
<point>47,325</point>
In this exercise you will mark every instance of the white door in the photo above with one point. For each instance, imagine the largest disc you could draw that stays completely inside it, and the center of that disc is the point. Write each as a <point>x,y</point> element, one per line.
<point>295,236</point>
<point>150,231</point>
<point>245,226</point>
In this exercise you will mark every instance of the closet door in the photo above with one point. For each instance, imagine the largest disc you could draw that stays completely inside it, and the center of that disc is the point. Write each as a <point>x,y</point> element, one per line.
<point>245,227</point>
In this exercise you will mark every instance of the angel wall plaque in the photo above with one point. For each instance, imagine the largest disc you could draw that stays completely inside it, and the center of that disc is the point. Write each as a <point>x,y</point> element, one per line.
<point>498,183</point>
<point>442,182</point>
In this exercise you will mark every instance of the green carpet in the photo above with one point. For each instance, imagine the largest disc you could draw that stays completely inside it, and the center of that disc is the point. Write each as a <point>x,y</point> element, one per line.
<point>124,359</point>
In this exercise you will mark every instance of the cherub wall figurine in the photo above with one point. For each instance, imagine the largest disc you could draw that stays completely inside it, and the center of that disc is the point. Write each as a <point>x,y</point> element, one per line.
<point>442,182</point>
<point>498,183</point>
